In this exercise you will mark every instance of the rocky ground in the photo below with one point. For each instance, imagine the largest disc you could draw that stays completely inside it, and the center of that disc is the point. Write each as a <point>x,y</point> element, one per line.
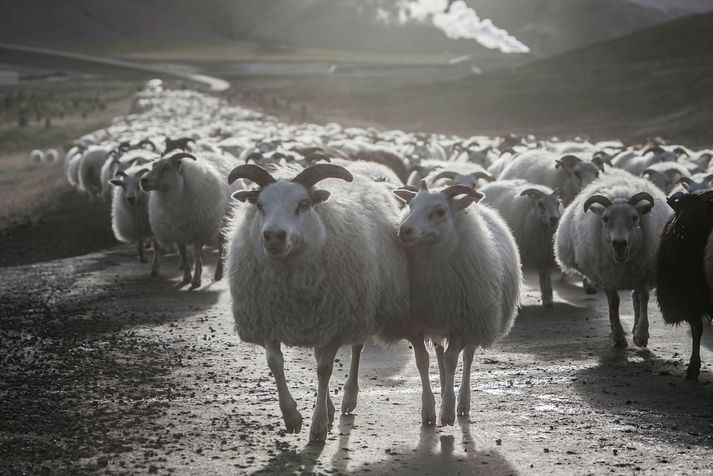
<point>105,370</point>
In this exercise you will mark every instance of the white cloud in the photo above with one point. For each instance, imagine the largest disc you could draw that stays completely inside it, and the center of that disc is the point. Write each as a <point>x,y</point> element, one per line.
<point>459,21</point>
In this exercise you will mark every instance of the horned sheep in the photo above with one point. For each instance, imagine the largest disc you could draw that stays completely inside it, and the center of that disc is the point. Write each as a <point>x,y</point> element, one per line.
<point>311,272</point>
<point>465,279</point>
<point>610,234</point>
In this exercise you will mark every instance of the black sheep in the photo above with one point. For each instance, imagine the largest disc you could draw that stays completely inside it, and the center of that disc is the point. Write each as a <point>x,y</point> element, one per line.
<point>681,288</point>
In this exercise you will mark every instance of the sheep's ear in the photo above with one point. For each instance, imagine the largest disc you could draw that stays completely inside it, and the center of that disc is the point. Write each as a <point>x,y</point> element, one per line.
<point>644,207</point>
<point>458,204</point>
<point>249,196</point>
<point>116,182</point>
<point>404,196</point>
<point>318,196</point>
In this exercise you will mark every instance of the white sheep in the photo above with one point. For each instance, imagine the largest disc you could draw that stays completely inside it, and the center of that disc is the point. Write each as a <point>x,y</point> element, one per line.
<point>89,170</point>
<point>71,164</point>
<point>121,159</point>
<point>187,206</point>
<point>51,155</point>
<point>533,213</point>
<point>311,272</point>
<point>37,156</point>
<point>465,279</point>
<point>610,234</point>
<point>130,211</point>
<point>568,173</point>
<point>665,174</point>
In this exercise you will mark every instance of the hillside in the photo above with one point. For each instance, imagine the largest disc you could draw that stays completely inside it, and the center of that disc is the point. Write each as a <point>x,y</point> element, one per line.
<point>548,26</point>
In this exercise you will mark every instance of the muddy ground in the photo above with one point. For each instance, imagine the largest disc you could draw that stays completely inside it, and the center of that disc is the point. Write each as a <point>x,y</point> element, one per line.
<point>105,370</point>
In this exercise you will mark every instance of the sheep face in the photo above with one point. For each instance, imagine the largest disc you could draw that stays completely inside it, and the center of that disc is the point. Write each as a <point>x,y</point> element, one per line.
<point>429,219</point>
<point>286,223</point>
<point>664,180</point>
<point>165,173</point>
<point>131,185</point>
<point>548,209</point>
<point>621,223</point>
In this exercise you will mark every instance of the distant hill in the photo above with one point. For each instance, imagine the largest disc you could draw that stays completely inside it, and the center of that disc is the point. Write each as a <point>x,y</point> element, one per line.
<point>548,26</point>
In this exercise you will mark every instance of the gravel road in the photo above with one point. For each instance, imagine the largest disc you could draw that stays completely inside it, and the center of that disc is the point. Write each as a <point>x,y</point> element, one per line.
<point>105,370</point>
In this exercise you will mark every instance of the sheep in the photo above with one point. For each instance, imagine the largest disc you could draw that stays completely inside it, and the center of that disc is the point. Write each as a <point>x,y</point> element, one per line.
<point>51,155</point>
<point>187,205</point>
<point>130,212</point>
<point>71,164</point>
<point>615,245</point>
<point>635,162</point>
<point>89,172</point>
<point>37,156</point>
<point>120,159</point>
<point>533,213</point>
<point>567,173</point>
<point>465,279</point>
<point>681,289</point>
<point>694,183</point>
<point>665,174</point>
<point>311,272</point>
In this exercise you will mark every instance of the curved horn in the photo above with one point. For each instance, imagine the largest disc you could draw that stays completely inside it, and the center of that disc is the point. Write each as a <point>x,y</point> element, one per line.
<point>533,192</point>
<point>316,157</point>
<point>120,173</point>
<point>254,156</point>
<point>448,174</point>
<point>636,198</point>
<point>311,175</point>
<point>455,190</point>
<point>687,180</point>
<point>483,175</point>
<point>648,172</point>
<point>147,142</point>
<point>708,178</point>
<point>600,199</point>
<point>251,172</point>
<point>656,149</point>
<point>183,155</point>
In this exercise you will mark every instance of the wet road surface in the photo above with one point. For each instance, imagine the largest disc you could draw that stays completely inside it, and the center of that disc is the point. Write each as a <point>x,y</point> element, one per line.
<point>105,370</point>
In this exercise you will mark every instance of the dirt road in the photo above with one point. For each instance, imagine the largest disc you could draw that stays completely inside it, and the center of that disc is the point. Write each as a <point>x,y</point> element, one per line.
<point>105,370</point>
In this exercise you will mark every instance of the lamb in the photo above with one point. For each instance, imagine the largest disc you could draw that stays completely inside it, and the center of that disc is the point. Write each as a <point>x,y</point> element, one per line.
<point>465,279</point>
<point>532,212</point>
<point>681,289</point>
<point>187,205</point>
<point>567,173</point>
<point>615,245</point>
<point>130,212</point>
<point>311,272</point>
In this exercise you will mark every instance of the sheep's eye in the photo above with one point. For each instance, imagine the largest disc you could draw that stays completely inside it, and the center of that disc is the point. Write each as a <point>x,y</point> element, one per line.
<point>440,212</point>
<point>304,205</point>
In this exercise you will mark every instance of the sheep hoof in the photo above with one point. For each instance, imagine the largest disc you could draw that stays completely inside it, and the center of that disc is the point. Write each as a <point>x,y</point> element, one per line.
<point>463,408</point>
<point>548,303</point>
<point>448,410</point>
<point>293,420</point>
<point>195,284</point>
<point>641,341</point>
<point>428,410</point>
<point>218,275</point>
<point>693,371</point>
<point>186,279</point>
<point>620,342</point>
<point>349,400</point>
<point>317,432</point>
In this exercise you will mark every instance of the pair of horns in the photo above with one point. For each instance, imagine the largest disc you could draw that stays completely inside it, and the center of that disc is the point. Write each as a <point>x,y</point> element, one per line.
<point>449,174</point>
<point>450,192</point>
<point>605,202</point>
<point>307,178</point>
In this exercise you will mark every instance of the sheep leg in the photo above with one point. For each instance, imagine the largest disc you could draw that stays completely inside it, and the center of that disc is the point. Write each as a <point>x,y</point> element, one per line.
<point>288,406</point>
<point>154,258</point>
<point>448,397</point>
<point>641,317</point>
<point>197,265</point>
<point>546,286</point>
<point>140,249</point>
<point>219,266</point>
<point>464,391</point>
<point>320,417</point>
<point>694,365</point>
<point>428,401</point>
<point>441,366</point>
<point>184,264</point>
<point>351,386</point>
<point>616,327</point>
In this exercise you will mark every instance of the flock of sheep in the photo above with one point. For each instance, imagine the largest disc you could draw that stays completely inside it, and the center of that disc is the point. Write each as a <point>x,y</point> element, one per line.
<point>335,235</point>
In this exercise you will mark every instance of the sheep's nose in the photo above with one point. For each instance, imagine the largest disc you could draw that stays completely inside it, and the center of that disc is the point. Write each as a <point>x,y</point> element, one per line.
<point>405,232</point>
<point>274,235</point>
<point>131,200</point>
